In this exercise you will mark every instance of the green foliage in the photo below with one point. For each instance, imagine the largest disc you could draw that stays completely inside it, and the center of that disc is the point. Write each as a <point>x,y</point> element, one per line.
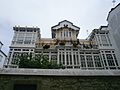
<point>38,61</point>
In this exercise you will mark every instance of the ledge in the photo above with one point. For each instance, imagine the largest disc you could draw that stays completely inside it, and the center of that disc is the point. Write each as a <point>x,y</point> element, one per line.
<point>59,72</point>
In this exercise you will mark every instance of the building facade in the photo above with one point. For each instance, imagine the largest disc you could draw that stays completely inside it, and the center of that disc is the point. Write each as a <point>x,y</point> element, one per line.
<point>100,50</point>
<point>3,56</point>
<point>114,28</point>
<point>23,42</point>
<point>95,52</point>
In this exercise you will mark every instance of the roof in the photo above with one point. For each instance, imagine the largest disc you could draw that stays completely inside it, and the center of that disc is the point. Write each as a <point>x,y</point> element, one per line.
<point>112,10</point>
<point>65,23</point>
<point>1,43</point>
<point>101,27</point>
<point>3,53</point>
<point>25,28</point>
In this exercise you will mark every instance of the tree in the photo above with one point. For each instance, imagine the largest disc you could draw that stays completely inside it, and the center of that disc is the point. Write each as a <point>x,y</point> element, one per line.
<point>38,61</point>
<point>24,60</point>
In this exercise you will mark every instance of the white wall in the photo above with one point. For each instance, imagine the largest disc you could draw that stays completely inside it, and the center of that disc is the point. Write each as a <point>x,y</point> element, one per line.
<point>2,59</point>
<point>114,28</point>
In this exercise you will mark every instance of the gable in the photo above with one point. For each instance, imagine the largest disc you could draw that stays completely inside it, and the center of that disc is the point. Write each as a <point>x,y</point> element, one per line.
<point>65,23</point>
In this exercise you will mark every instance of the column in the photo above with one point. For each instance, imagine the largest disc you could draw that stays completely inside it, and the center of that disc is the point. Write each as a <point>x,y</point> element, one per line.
<point>102,60</point>
<point>65,57</point>
<point>93,61</point>
<point>72,58</point>
<point>61,57</point>
<point>106,59</point>
<point>85,61</point>
<point>114,60</point>
<point>68,58</point>
<point>79,60</point>
<point>49,56</point>
<point>107,40</point>
<point>11,57</point>
<point>58,61</point>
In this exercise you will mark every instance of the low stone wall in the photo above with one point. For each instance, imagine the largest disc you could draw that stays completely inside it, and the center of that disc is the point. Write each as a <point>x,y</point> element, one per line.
<point>8,82</point>
<point>58,72</point>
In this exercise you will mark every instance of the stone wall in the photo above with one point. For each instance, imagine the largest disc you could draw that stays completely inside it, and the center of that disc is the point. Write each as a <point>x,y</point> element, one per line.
<point>7,82</point>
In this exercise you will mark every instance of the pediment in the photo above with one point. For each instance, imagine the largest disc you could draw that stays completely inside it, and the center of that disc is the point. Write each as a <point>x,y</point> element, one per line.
<point>65,23</point>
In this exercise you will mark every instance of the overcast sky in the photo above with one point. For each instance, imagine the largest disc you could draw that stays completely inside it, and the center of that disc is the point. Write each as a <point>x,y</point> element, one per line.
<point>86,14</point>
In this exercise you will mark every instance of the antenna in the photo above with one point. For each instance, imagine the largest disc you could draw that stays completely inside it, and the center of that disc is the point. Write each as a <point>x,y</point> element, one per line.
<point>113,2</point>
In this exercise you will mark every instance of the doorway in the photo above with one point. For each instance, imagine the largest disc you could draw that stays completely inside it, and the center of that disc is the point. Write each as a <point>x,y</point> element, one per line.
<point>25,87</point>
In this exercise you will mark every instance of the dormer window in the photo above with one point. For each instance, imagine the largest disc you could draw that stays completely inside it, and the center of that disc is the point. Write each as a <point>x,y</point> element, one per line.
<point>65,30</point>
<point>66,34</point>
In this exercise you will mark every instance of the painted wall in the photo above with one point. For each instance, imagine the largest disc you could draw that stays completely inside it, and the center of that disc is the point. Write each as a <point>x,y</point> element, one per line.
<point>2,59</point>
<point>114,28</point>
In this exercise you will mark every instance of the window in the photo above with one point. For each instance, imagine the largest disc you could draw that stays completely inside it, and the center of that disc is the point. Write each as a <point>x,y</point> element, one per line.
<point>77,59</point>
<point>104,40</point>
<point>83,64</point>
<point>98,39</point>
<point>74,58</point>
<point>104,59</point>
<point>68,49</point>
<point>75,49</point>
<point>110,60</point>
<point>61,34</point>
<point>66,33</point>
<point>53,57</point>
<point>29,31</point>
<point>25,49</point>
<point>97,61</point>
<point>15,58</point>
<point>67,58</point>
<point>88,53</point>
<point>22,30</point>
<point>95,52</point>
<point>17,49</point>
<point>60,58</point>
<point>115,59</point>
<point>27,40</point>
<point>109,40</point>
<point>70,34</point>
<point>81,52</point>
<point>107,51</point>
<point>34,37</point>
<point>20,38</point>
<point>63,58</point>
<point>70,59</point>
<point>89,61</point>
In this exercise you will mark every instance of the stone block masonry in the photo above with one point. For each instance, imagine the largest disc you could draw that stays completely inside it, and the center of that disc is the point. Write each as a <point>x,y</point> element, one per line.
<point>10,82</point>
